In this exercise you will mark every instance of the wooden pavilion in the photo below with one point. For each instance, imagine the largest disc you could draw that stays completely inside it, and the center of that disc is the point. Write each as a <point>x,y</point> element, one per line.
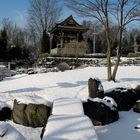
<point>64,32</point>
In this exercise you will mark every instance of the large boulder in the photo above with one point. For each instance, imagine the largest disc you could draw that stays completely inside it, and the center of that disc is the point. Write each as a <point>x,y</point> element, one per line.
<point>137,89</point>
<point>5,114</point>
<point>101,111</point>
<point>33,115</point>
<point>125,98</point>
<point>5,111</point>
<point>136,107</point>
<point>95,88</point>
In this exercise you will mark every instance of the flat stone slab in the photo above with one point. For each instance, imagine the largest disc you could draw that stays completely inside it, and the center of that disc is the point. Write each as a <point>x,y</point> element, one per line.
<point>67,106</point>
<point>69,127</point>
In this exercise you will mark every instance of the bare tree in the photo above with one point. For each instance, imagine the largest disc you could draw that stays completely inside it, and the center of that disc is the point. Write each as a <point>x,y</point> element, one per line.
<point>126,11</point>
<point>97,9</point>
<point>104,11</point>
<point>16,35</point>
<point>43,14</point>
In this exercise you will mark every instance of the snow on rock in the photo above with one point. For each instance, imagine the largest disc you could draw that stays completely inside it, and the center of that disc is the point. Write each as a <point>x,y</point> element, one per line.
<point>67,106</point>
<point>8,132</point>
<point>137,127</point>
<point>119,89</point>
<point>2,105</point>
<point>33,100</point>
<point>66,127</point>
<point>108,101</point>
<point>138,101</point>
<point>125,98</point>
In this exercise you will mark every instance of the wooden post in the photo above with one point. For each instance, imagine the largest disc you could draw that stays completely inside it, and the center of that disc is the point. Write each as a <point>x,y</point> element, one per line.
<point>135,44</point>
<point>51,37</point>
<point>62,40</point>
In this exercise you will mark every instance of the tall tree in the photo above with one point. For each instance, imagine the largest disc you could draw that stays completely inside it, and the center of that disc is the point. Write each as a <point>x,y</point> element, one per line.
<point>3,44</point>
<point>97,9</point>
<point>43,14</point>
<point>15,41</point>
<point>45,43</point>
<point>126,11</point>
<point>104,11</point>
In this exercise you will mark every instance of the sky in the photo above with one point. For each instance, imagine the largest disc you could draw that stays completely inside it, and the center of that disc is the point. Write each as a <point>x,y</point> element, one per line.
<point>16,10</point>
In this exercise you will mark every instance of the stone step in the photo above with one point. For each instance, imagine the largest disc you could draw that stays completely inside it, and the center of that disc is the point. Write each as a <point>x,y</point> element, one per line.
<point>68,122</point>
<point>67,106</point>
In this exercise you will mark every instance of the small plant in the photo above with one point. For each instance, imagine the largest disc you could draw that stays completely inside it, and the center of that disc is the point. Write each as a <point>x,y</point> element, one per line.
<point>43,55</point>
<point>63,66</point>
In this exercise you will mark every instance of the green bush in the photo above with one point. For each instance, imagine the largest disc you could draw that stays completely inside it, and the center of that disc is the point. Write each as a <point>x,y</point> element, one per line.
<point>133,55</point>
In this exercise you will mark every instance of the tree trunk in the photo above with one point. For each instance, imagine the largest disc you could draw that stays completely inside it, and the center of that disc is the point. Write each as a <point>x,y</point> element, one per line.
<point>109,64</point>
<point>120,44</point>
<point>108,53</point>
<point>116,68</point>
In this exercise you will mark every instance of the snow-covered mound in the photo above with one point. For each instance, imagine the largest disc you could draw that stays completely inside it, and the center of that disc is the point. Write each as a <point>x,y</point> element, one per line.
<point>51,86</point>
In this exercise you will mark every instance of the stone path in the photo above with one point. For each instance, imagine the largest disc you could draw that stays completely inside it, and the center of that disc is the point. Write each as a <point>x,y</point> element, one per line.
<point>68,122</point>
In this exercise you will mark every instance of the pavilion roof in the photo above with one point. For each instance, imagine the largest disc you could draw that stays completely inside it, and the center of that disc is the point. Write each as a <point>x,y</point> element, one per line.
<point>68,24</point>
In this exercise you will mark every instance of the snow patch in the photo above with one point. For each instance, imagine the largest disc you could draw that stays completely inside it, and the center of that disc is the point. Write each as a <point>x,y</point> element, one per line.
<point>33,100</point>
<point>8,132</point>
<point>100,88</point>
<point>3,128</point>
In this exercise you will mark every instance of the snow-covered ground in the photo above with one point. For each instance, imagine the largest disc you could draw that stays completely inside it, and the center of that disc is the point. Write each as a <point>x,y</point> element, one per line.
<point>73,83</point>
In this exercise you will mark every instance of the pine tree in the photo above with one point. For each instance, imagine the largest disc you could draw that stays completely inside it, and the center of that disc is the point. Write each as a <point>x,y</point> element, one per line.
<point>45,43</point>
<point>3,44</point>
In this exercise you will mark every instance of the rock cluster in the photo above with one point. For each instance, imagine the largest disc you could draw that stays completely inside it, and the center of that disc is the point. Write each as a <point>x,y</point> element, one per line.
<point>99,111</point>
